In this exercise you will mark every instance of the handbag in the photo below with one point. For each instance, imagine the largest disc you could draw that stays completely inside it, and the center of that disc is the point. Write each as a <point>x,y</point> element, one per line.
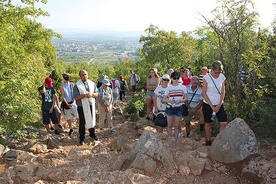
<point>161,120</point>
<point>185,110</point>
<point>64,106</point>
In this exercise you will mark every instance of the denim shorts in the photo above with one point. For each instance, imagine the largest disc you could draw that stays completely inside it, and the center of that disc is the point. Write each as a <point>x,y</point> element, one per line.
<point>174,111</point>
<point>150,94</point>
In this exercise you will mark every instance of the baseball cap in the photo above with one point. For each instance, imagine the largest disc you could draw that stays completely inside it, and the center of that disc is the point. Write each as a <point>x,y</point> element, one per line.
<point>49,82</point>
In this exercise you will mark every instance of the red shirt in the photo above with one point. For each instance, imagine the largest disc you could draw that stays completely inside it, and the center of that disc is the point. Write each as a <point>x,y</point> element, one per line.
<point>186,82</point>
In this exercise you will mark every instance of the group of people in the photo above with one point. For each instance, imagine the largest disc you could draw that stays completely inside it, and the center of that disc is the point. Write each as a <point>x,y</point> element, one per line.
<point>81,100</point>
<point>201,95</point>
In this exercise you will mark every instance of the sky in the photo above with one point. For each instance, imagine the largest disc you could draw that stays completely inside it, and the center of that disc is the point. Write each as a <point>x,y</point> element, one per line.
<point>137,15</point>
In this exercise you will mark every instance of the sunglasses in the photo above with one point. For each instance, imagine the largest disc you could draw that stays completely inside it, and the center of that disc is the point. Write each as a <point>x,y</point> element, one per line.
<point>166,80</point>
<point>217,72</point>
<point>175,78</point>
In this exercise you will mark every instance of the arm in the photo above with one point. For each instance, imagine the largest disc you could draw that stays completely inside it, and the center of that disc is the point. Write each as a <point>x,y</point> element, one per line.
<point>62,95</point>
<point>204,93</point>
<point>42,90</point>
<point>53,103</point>
<point>222,95</point>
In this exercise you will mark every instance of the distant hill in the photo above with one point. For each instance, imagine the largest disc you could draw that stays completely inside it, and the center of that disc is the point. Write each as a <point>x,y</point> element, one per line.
<point>97,36</point>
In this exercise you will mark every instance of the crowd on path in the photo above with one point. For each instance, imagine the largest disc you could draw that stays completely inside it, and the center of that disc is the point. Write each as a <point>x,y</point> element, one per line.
<point>169,98</point>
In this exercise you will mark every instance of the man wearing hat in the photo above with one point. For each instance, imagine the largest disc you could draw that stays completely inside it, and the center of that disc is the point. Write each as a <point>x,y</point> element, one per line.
<point>68,105</point>
<point>85,92</point>
<point>204,71</point>
<point>48,94</point>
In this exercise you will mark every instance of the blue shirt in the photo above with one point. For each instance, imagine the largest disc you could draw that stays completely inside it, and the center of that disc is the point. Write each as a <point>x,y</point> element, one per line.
<point>197,97</point>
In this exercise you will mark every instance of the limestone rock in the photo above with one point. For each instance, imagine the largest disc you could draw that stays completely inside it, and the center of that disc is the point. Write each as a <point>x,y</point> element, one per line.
<point>150,146</point>
<point>235,143</point>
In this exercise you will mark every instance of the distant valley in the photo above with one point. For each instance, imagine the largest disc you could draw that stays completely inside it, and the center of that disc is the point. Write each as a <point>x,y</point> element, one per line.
<point>97,47</point>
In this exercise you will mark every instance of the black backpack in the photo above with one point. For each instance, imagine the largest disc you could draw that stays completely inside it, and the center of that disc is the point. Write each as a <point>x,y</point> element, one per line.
<point>123,85</point>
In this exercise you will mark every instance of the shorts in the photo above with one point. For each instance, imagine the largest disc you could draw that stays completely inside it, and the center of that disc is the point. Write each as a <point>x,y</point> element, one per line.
<point>174,111</point>
<point>208,111</point>
<point>150,94</point>
<point>47,116</point>
<point>70,113</point>
<point>189,118</point>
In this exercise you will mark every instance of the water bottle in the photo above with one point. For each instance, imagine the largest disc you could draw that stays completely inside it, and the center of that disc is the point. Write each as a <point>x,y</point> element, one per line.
<point>213,116</point>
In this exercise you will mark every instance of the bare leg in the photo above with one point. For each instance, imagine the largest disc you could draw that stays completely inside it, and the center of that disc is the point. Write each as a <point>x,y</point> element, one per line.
<point>222,125</point>
<point>188,127</point>
<point>169,127</point>
<point>208,128</point>
<point>176,126</point>
<point>149,106</point>
<point>48,128</point>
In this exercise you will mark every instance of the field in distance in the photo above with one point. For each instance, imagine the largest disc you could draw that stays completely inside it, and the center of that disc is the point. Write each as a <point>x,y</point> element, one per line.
<point>97,48</point>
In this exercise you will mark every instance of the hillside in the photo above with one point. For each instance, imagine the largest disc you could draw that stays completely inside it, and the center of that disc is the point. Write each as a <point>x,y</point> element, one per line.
<point>60,159</point>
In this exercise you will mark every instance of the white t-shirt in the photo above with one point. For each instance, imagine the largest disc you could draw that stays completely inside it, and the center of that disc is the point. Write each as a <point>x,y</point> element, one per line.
<point>160,91</point>
<point>176,93</point>
<point>212,91</point>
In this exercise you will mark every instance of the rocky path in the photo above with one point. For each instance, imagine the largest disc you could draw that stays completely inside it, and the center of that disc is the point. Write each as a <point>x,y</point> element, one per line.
<point>134,154</point>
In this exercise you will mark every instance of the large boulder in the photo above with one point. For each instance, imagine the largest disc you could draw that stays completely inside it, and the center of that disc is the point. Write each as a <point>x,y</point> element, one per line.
<point>235,143</point>
<point>150,149</point>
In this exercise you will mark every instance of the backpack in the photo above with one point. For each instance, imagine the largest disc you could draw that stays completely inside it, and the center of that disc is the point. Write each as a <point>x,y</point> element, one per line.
<point>113,83</point>
<point>138,78</point>
<point>123,85</point>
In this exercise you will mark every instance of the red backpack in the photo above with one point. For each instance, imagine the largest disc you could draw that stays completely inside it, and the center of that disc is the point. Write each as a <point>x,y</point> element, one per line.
<point>113,83</point>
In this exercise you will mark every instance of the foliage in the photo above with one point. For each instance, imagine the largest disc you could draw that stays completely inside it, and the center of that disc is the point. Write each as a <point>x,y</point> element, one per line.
<point>136,106</point>
<point>26,54</point>
<point>165,50</point>
<point>241,48</point>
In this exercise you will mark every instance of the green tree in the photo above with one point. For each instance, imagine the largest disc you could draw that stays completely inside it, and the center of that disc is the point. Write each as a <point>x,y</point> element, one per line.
<point>163,50</point>
<point>27,55</point>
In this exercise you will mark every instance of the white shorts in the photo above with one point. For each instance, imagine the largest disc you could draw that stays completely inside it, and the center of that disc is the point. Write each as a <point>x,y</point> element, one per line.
<point>70,113</point>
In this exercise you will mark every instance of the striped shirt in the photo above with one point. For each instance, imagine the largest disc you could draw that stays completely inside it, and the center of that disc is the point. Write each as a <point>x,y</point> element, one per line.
<point>197,97</point>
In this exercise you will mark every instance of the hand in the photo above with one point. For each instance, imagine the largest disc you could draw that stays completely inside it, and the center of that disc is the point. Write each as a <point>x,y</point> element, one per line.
<point>51,109</point>
<point>192,112</point>
<point>216,108</point>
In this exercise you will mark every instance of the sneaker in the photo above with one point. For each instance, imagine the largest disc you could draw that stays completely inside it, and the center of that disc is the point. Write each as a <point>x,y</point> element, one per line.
<point>208,143</point>
<point>180,134</point>
<point>101,133</point>
<point>57,133</point>
<point>61,127</point>
<point>112,130</point>
<point>188,135</point>
<point>70,132</point>
<point>148,118</point>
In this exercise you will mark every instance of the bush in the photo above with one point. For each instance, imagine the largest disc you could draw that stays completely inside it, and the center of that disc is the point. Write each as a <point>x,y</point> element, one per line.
<point>136,106</point>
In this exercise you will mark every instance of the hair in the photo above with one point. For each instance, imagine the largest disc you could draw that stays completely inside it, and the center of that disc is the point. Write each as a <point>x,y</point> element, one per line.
<point>217,65</point>
<point>82,71</point>
<point>196,77</point>
<point>121,77</point>
<point>155,72</point>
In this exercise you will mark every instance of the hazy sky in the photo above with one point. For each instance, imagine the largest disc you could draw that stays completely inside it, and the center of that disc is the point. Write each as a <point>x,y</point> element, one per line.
<point>136,15</point>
